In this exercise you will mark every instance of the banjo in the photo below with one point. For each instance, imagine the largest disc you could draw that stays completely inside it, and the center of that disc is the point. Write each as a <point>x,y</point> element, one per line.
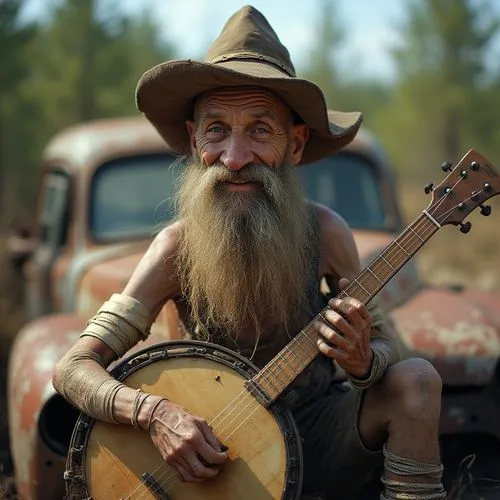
<point>239,401</point>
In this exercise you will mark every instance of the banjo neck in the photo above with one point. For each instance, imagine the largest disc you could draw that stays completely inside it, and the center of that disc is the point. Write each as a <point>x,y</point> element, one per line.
<point>466,187</point>
<point>277,375</point>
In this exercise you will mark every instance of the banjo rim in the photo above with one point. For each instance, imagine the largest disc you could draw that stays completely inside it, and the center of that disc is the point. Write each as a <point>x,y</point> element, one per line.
<point>75,473</point>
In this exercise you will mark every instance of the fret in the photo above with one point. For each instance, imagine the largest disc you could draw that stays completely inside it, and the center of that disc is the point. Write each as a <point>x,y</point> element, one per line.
<point>322,317</point>
<point>396,243</point>
<point>290,350</point>
<point>295,343</point>
<point>268,381</point>
<point>306,335</point>
<point>384,259</point>
<point>284,363</point>
<point>373,274</point>
<point>364,289</point>
<point>416,234</point>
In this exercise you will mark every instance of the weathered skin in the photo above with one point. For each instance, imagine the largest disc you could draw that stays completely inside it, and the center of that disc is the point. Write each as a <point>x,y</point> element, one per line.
<point>458,331</point>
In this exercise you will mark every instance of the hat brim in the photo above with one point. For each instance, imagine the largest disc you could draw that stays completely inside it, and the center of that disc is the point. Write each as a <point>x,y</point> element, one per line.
<point>166,95</point>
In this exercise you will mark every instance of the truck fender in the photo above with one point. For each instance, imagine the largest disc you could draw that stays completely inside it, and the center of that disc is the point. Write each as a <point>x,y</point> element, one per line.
<point>457,331</point>
<point>41,421</point>
<point>36,439</point>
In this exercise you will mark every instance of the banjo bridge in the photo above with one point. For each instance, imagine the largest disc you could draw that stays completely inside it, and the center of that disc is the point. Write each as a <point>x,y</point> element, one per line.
<point>154,486</point>
<point>258,393</point>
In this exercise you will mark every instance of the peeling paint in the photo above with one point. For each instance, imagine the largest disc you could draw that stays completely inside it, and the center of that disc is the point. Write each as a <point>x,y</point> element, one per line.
<point>455,334</point>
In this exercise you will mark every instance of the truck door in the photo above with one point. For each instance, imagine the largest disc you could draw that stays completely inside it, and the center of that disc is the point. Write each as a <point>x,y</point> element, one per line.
<point>52,234</point>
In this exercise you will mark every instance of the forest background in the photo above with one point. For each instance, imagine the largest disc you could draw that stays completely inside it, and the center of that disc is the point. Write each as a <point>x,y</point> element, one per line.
<point>81,60</point>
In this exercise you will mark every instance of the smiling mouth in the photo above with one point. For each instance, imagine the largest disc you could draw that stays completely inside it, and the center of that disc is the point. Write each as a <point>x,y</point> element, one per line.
<point>241,185</point>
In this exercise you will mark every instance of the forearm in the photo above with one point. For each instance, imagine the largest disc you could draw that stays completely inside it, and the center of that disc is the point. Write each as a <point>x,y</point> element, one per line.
<point>81,375</point>
<point>385,339</point>
<point>82,379</point>
<point>385,347</point>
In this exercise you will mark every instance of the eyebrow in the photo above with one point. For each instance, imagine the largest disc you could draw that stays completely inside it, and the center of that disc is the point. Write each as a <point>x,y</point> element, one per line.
<point>265,113</point>
<point>213,115</point>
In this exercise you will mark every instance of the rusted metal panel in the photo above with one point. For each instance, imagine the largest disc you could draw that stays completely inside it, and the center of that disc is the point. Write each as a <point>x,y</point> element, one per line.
<point>35,351</point>
<point>456,334</point>
<point>91,142</point>
<point>82,271</point>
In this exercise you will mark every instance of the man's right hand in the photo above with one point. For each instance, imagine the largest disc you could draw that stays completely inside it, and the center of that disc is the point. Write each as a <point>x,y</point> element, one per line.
<point>186,442</point>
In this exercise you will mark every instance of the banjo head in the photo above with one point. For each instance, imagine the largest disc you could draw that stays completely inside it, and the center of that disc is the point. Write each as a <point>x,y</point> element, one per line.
<point>108,461</point>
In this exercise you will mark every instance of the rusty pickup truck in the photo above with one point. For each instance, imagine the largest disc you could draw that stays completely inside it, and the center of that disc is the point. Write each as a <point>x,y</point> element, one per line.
<point>105,189</point>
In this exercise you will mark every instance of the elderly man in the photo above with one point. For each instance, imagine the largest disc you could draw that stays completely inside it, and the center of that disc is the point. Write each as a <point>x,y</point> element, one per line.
<point>246,254</point>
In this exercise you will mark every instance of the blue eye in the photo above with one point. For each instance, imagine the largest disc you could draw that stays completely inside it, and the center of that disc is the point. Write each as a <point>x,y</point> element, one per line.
<point>215,129</point>
<point>261,130</point>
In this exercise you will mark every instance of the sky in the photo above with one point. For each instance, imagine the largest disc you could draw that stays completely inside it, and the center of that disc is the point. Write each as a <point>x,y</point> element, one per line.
<point>370,26</point>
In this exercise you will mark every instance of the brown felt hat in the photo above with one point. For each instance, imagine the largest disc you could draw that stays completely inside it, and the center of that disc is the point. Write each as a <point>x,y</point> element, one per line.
<point>247,52</point>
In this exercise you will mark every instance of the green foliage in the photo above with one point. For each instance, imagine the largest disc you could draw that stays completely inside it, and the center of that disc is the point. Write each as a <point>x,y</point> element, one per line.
<point>82,62</point>
<point>443,96</point>
<point>87,65</point>
<point>322,68</point>
<point>14,40</point>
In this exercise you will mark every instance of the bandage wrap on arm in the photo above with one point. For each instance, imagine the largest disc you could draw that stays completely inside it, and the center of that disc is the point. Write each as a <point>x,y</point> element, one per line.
<point>120,323</point>
<point>93,393</point>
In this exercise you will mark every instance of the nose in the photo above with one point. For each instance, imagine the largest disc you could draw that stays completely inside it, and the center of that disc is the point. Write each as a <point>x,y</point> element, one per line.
<point>237,153</point>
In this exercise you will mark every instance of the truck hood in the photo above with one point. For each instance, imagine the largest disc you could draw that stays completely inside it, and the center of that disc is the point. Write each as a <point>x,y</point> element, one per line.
<point>458,331</point>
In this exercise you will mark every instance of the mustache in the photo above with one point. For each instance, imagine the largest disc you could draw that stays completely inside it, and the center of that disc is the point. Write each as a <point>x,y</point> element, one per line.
<point>268,177</point>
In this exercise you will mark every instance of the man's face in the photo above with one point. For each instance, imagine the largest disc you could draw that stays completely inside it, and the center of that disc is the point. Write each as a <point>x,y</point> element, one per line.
<point>245,246</point>
<point>239,127</point>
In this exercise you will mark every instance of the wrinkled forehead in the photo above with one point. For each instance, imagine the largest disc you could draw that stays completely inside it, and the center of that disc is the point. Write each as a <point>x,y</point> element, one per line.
<point>248,98</point>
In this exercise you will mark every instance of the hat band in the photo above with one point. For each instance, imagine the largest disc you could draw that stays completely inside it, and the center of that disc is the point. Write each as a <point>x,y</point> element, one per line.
<point>252,57</point>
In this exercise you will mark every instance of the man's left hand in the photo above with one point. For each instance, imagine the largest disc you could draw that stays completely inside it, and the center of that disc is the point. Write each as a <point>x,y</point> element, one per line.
<point>345,335</point>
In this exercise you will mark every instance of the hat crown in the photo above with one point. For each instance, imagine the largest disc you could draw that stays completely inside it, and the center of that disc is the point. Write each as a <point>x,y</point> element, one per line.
<point>248,35</point>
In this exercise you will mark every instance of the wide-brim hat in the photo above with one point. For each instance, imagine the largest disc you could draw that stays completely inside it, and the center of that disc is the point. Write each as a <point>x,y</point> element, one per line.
<point>247,53</point>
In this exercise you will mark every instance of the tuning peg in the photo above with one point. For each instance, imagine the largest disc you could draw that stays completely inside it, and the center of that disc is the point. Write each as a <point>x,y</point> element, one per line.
<point>474,165</point>
<point>428,188</point>
<point>485,210</point>
<point>465,227</point>
<point>446,166</point>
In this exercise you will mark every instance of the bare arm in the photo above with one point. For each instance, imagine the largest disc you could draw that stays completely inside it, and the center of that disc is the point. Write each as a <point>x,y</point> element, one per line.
<point>184,440</point>
<point>340,264</point>
<point>151,284</point>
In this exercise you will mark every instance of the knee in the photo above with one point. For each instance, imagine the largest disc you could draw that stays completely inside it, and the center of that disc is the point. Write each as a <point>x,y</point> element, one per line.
<point>414,386</point>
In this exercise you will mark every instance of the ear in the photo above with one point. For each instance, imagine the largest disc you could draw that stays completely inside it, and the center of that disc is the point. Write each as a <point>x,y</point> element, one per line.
<point>298,139</point>
<point>191,129</point>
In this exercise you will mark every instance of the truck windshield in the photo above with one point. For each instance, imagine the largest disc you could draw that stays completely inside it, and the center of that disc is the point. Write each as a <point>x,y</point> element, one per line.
<point>133,197</point>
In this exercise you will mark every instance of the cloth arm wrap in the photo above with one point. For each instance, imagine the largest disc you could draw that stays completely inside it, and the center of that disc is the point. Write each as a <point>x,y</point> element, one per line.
<point>93,395</point>
<point>120,323</point>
